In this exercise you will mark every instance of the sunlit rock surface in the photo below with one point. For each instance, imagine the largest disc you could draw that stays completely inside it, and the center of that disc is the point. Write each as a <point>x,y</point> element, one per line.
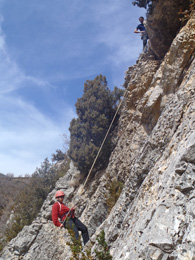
<point>154,217</point>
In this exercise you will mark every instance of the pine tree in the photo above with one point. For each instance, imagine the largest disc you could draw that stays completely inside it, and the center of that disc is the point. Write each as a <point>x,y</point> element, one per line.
<point>95,110</point>
<point>142,3</point>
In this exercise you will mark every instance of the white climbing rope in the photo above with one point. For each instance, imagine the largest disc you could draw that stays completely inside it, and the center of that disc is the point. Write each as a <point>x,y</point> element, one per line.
<point>104,139</point>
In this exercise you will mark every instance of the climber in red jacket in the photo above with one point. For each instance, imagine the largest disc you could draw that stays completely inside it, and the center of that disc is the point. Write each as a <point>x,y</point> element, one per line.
<point>67,217</point>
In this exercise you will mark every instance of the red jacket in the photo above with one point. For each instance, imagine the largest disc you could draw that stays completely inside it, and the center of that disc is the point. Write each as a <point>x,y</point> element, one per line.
<point>59,210</point>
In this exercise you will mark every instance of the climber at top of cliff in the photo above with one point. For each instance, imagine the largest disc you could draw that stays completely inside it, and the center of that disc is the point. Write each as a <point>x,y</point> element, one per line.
<point>67,217</point>
<point>142,30</point>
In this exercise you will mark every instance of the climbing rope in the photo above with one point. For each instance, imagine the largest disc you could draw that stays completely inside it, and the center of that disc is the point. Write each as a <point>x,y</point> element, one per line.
<point>105,138</point>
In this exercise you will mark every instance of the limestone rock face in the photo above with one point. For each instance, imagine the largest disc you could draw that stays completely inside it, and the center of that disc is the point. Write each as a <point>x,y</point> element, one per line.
<point>154,217</point>
<point>163,24</point>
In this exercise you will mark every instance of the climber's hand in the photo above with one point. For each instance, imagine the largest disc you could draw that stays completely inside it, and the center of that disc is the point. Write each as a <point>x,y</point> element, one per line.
<point>61,226</point>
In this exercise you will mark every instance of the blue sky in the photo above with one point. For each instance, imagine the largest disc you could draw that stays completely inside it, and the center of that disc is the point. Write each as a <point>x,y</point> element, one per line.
<point>48,49</point>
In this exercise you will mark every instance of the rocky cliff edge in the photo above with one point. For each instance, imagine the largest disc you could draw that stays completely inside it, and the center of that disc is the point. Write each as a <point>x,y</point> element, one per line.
<point>154,217</point>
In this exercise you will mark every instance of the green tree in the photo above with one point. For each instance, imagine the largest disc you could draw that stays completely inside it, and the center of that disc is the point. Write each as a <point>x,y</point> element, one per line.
<point>43,179</point>
<point>142,3</point>
<point>95,110</point>
<point>58,156</point>
<point>103,253</point>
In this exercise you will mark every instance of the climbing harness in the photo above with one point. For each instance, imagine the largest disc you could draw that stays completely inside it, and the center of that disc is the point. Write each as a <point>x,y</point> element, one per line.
<point>66,214</point>
<point>64,221</point>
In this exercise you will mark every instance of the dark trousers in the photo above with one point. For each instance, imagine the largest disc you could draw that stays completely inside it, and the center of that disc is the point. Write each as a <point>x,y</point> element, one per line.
<point>76,225</point>
<point>144,39</point>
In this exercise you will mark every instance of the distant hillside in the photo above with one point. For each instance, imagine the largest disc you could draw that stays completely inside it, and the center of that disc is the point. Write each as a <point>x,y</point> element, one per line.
<point>9,189</point>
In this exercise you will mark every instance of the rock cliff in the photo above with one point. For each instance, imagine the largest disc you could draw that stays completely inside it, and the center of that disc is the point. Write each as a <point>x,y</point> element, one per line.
<point>154,217</point>
<point>163,24</point>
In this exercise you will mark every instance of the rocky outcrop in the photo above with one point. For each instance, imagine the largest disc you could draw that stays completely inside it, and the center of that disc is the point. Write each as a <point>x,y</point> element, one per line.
<point>163,24</point>
<point>154,216</point>
<point>155,159</point>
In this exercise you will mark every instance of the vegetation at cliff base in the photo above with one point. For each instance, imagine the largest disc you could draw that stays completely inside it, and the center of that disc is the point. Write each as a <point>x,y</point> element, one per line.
<point>76,248</point>
<point>187,13</point>
<point>95,110</point>
<point>114,190</point>
<point>30,199</point>
<point>142,3</point>
<point>101,252</point>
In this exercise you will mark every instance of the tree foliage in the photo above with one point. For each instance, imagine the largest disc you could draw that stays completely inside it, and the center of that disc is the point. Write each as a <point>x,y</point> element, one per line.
<point>58,156</point>
<point>187,13</point>
<point>95,110</point>
<point>114,190</point>
<point>102,252</point>
<point>142,3</point>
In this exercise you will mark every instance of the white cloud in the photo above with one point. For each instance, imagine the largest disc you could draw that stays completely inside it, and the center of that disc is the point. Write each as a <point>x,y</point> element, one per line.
<point>27,136</point>
<point>61,41</point>
<point>12,77</point>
